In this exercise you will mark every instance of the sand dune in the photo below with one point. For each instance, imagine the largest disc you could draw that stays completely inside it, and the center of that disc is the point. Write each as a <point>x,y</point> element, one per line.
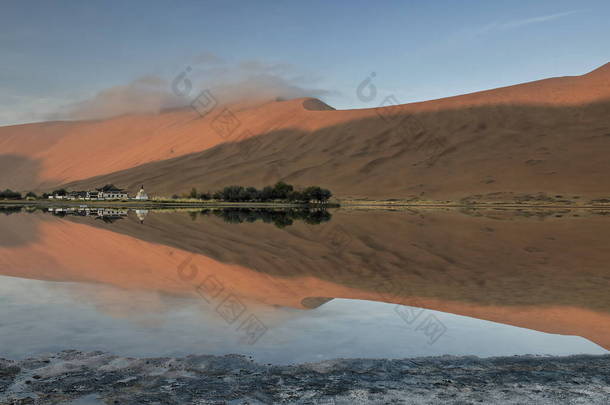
<point>550,136</point>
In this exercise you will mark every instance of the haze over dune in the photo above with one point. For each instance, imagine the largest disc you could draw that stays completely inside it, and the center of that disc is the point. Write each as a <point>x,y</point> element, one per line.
<point>550,136</point>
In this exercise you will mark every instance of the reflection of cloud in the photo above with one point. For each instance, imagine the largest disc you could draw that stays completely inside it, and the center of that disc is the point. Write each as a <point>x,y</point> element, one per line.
<point>150,308</point>
<point>147,308</point>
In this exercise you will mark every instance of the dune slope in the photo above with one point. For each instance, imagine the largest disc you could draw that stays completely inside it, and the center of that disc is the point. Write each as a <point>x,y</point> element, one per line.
<point>550,136</point>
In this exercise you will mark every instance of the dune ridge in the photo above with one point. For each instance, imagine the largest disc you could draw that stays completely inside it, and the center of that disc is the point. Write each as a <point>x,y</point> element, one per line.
<point>549,136</point>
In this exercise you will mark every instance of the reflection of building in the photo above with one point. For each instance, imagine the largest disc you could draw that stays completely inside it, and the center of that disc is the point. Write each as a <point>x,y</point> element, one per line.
<point>141,214</point>
<point>106,214</point>
<point>141,194</point>
<point>112,193</point>
<point>77,195</point>
<point>108,192</point>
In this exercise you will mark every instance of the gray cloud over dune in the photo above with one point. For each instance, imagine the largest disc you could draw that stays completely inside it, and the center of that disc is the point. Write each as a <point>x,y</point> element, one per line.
<point>245,81</point>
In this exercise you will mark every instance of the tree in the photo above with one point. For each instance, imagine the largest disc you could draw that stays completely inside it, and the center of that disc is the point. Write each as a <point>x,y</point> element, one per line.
<point>31,195</point>
<point>9,194</point>
<point>312,193</point>
<point>281,190</point>
<point>297,196</point>
<point>252,194</point>
<point>60,192</point>
<point>325,195</point>
<point>266,194</point>
<point>233,193</point>
<point>193,193</point>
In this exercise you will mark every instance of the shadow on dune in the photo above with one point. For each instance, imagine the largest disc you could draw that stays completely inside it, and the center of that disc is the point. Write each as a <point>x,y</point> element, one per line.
<point>491,152</point>
<point>17,170</point>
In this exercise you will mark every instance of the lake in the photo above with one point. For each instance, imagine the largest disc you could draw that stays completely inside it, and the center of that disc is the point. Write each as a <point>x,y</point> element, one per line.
<point>289,286</point>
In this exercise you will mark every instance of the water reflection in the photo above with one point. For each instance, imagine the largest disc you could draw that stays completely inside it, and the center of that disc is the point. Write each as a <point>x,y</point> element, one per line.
<point>541,270</point>
<point>234,215</point>
<point>47,317</point>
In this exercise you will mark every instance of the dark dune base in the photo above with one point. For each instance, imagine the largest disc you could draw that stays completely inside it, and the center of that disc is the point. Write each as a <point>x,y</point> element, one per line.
<point>99,378</point>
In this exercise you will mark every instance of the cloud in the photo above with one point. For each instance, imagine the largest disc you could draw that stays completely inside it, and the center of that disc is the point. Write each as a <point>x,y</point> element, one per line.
<point>535,20</point>
<point>20,109</point>
<point>508,25</point>
<point>147,94</point>
<point>244,82</point>
<point>208,58</point>
<point>254,79</point>
<point>257,81</point>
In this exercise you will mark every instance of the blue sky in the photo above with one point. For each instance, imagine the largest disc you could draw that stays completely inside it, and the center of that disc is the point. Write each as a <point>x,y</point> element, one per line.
<point>56,54</point>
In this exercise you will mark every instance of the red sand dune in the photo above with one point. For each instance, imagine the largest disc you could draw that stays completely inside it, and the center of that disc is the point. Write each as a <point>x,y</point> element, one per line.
<point>550,136</point>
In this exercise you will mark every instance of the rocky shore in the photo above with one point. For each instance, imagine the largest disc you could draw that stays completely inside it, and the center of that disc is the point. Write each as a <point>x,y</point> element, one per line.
<point>73,377</point>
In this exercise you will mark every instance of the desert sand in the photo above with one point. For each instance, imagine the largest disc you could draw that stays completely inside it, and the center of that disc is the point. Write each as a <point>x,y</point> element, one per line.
<point>550,136</point>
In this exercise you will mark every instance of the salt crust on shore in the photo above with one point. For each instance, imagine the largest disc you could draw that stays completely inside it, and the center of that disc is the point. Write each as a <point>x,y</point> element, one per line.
<point>73,377</point>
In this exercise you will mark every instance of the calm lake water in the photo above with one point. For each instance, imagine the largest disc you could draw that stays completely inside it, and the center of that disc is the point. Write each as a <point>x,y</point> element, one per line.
<point>293,286</point>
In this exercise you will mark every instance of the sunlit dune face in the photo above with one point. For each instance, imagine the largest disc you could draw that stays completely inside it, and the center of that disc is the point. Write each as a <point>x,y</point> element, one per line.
<point>64,152</point>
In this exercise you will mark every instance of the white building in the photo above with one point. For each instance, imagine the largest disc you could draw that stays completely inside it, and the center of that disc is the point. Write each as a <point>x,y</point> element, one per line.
<point>141,194</point>
<point>111,192</point>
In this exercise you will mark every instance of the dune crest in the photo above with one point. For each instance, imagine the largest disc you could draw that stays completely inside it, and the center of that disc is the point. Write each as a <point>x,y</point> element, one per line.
<point>548,136</point>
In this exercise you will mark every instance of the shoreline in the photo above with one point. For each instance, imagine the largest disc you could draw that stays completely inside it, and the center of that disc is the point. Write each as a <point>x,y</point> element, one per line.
<point>152,204</point>
<point>102,378</point>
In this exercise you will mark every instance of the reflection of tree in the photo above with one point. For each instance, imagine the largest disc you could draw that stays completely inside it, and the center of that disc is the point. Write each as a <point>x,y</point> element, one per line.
<point>8,210</point>
<point>109,219</point>
<point>280,218</point>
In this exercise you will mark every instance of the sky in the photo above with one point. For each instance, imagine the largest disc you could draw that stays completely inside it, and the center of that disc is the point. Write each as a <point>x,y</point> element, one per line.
<point>75,59</point>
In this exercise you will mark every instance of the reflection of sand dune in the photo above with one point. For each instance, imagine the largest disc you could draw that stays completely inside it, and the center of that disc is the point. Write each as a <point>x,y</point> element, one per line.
<point>546,274</point>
